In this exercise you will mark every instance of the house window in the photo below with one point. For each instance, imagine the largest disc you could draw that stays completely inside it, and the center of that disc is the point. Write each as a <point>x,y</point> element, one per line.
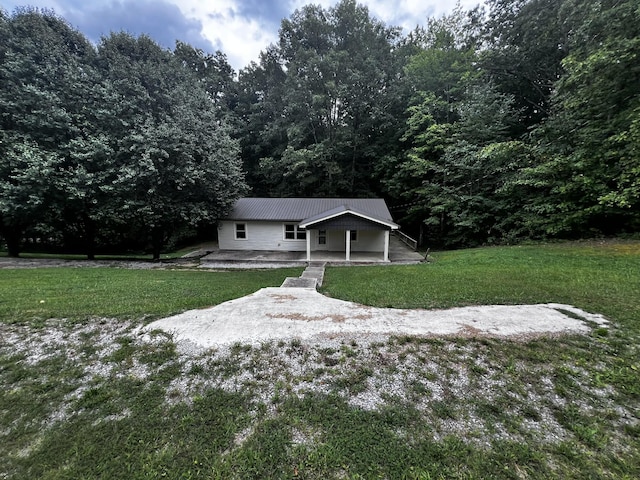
<point>354,235</point>
<point>322,237</point>
<point>292,232</point>
<point>241,231</point>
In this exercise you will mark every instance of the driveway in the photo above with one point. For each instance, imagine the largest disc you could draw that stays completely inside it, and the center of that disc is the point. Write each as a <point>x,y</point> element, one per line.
<point>285,313</point>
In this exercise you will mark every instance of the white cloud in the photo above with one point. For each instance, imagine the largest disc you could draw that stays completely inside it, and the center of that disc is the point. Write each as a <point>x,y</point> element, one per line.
<point>410,13</point>
<point>240,38</point>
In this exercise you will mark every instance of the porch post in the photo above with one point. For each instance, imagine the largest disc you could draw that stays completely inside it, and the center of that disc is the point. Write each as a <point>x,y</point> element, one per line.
<point>386,245</point>
<point>308,245</point>
<point>348,246</point>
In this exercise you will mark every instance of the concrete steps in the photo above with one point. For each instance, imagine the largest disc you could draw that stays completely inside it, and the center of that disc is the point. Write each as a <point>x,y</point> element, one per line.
<point>311,277</point>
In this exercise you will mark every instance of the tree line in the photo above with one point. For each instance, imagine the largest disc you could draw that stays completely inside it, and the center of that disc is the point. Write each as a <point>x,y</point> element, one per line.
<point>123,144</point>
<point>518,120</point>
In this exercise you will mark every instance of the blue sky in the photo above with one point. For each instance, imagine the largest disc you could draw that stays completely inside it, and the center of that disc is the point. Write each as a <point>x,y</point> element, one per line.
<point>240,28</point>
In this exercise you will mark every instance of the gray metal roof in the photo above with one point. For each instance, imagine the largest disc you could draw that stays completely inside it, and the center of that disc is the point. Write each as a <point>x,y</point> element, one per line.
<point>298,209</point>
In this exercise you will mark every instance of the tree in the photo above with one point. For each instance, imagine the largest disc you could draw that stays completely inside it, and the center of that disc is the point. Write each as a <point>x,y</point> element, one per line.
<point>444,64</point>
<point>587,178</point>
<point>438,74</point>
<point>214,74</point>
<point>527,41</point>
<point>47,77</point>
<point>260,111</point>
<point>333,114</point>
<point>177,166</point>
<point>25,172</point>
<point>453,175</point>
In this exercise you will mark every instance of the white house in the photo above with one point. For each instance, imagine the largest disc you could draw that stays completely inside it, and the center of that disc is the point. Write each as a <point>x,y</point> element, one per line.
<point>308,224</point>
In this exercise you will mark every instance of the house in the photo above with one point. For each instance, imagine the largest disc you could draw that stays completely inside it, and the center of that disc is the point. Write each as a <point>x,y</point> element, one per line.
<point>308,224</point>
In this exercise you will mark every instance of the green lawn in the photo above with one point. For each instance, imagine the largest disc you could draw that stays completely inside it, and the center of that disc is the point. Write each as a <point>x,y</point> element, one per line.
<point>603,277</point>
<point>81,293</point>
<point>90,398</point>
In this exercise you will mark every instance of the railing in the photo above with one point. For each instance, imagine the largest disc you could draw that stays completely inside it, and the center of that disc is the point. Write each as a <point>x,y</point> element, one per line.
<point>407,240</point>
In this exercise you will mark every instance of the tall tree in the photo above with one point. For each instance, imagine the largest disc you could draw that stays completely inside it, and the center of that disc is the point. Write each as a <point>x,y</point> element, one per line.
<point>453,176</point>
<point>587,179</point>
<point>338,104</point>
<point>445,61</point>
<point>214,73</point>
<point>260,110</point>
<point>177,165</point>
<point>438,74</point>
<point>527,41</point>
<point>25,176</point>
<point>47,76</point>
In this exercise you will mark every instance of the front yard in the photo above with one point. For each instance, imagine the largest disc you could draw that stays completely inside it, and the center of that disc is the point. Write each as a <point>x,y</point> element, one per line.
<point>89,397</point>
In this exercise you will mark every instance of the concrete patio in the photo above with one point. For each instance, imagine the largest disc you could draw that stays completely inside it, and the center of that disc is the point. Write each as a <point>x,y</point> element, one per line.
<point>399,253</point>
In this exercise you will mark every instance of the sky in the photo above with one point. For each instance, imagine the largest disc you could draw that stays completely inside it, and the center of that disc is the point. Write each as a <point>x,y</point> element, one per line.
<point>239,28</point>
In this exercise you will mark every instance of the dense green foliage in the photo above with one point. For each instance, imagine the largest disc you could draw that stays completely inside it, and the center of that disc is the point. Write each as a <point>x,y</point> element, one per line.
<point>125,143</point>
<point>515,121</point>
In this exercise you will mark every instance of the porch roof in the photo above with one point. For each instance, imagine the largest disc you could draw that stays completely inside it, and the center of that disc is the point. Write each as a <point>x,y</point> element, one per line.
<point>342,211</point>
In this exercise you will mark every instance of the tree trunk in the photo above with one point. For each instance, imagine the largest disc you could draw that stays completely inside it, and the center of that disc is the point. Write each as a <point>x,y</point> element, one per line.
<point>12,239</point>
<point>13,246</point>
<point>90,237</point>
<point>157,242</point>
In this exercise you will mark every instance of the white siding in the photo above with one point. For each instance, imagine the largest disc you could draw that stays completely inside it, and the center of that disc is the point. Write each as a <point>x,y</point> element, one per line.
<point>369,241</point>
<point>260,236</point>
<point>336,240</point>
<point>270,236</point>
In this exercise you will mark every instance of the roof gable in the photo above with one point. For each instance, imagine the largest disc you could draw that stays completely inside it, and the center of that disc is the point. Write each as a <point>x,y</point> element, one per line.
<point>342,212</point>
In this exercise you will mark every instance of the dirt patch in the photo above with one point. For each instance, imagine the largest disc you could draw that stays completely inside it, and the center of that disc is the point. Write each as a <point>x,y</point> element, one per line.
<point>317,318</point>
<point>283,298</point>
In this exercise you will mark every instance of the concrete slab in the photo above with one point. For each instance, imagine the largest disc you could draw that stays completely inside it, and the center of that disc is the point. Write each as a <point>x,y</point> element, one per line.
<point>284,313</point>
<point>398,253</point>
<point>298,282</point>
<point>316,273</point>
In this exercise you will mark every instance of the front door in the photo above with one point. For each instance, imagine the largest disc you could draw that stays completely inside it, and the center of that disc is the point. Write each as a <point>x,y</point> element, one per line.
<point>322,240</point>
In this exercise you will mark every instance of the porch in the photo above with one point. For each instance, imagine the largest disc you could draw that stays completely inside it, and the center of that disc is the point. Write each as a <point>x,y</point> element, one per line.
<point>399,253</point>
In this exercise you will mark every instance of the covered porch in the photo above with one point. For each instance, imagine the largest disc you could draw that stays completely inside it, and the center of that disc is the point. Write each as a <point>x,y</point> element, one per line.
<point>399,253</point>
<point>347,231</point>
<point>348,245</point>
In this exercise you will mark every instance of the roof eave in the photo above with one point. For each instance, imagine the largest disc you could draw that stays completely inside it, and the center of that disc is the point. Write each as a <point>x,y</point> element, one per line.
<point>308,223</point>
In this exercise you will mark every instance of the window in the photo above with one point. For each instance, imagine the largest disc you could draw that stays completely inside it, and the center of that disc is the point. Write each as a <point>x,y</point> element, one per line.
<point>354,235</point>
<point>292,232</point>
<point>322,237</point>
<point>241,231</point>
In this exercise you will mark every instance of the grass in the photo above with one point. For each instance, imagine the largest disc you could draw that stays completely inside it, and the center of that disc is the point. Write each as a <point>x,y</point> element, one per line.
<point>91,398</point>
<point>600,277</point>
<point>81,293</point>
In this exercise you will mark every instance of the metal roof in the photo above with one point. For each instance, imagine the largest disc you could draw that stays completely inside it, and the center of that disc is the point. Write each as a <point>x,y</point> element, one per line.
<point>299,209</point>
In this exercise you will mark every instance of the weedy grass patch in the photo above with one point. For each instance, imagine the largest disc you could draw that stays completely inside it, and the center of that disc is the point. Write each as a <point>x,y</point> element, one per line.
<point>96,399</point>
